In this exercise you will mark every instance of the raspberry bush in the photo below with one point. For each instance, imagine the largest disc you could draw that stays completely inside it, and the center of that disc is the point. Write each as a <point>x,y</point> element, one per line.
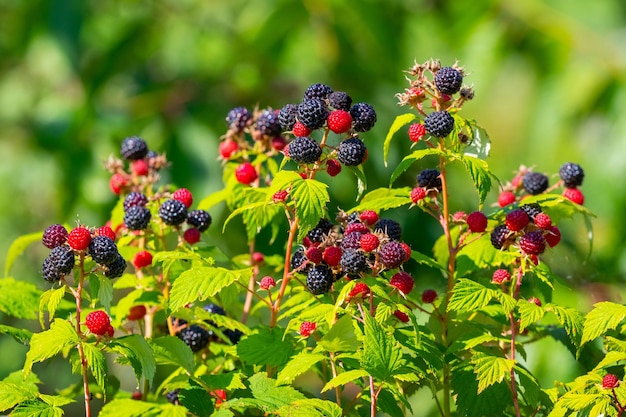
<point>340,300</point>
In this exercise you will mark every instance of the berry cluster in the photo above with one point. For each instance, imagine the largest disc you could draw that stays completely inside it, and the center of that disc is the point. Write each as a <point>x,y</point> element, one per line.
<point>99,244</point>
<point>142,170</point>
<point>527,182</point>
<point>359,245</point>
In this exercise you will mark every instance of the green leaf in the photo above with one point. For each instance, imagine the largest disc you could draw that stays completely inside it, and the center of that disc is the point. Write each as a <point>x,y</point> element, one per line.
<point>311,197</point>
<point>340,337</point>
<point>18,247</point>
<point>399,121</point>
<point>229,381</point>
<point>491,402</point>
<point>361,180</point>
<point>409,160</point>
<point>19,299</point>
<point>384,199</point>
<point>310,407</point>
<point>491,369</point>
<point>270,346</point>
<point>270,397</point>
<point>611,358</point>
<point>97,364</point>
<point>127,407</point>
<point>558,206</point>
<point>478,255</point>
<point>344,378</point>
<point>138,352</point>
<point>47,344</point>
<point>105,291</point>
<point>13,394</point>
<point>49,301</point>
<point>571,320</point>
<point>530,313</point>
<point>201,283</point>
<point>469,295</point>
<point>480,174</point>
<point>479,144</point>
<point>213,199</point>
<point>604,316</point>
<point>299,364</point>
<point>20,335</point>
<point>381,356</point>
<point>197,400</point>
<point>36,408</point>
<point>577,402</point>
<point>170,350</point>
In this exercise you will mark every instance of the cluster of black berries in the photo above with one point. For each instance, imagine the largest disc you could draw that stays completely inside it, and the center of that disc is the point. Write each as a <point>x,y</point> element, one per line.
<point>527,228</point>
<point>359,244</point>
<point>99,244</point>
<point>143,166</point>
<point>197,337</point>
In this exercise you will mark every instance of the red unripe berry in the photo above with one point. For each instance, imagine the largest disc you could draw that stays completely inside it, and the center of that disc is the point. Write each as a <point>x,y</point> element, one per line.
<point>280,196</point>
<point>314,254</point>
<point>535,301</point>
<point>505,198</point>
<point>517,220</point>
<point>500,276</point>
<point>360,290</point>
<point>533,243</point>
<point>403,317</point>
<point>610,381</point>
<point>98,322</point>
<point>403,282</point>
<point>477,222</point>
<point>516,182</point>
<point>279,143</point>
<point>137,395</point>
<point>105,231</point>
<point>332,255</point>
<point>142,259</point>
<point>574,195</point>
<point>429,296</point>
<point>369,242</point>
<point>306,328</point>
<point>543,221</point>
<point>140,167</point>
<point>220,396</point>
<point>110,331</point>
<point>54,235</point>
<point>117,183</point>
<point>245,173</point>
<point>136,313</point>
<point>333,167</point>
<point>407,250</point>
<point>257,258</point>
<point>416,132</point>
<point>552,236</point>
<point>184,196</point>
<point>191,235</point>
<point>267,283</point>
<point>228,147</point>
<point>339,121</point>
<point>301,130</point>
<point>356,227</point>
<point>79,238</point>
<point>417,194</point>
<point>369,217</point>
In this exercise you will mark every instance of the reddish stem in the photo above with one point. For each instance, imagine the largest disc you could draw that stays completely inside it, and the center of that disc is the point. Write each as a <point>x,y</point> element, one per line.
<point>293,228</point>
<point>81,351</point>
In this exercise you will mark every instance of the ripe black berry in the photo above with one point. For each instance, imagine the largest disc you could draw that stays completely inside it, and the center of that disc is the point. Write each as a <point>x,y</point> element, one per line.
<point>137,218</point>
<point>390,227</point>
<point>238,118</point>
<point>173,212</point>
<point>572,174</point>
<point>363,117</point>
<point>268,124</point>
<point>194,336</point>
<point>116,268</point>
<point>287,116</point>
<point>304,150</point>
<point>351,152</point>
<point>103,250</point>
<point>233,335</point>
<point>535,182</point>
<point>321,91</point>
<point>531,210</point>
<point>500,236</point>
<point>133,148</point>
<point>392,254</point>
<point>200,219</point>
<point>319,279</point>
<point>340,100</point>
<point>172,396</point>
<point>135,198</point>
<point>49,270</point>
<point>439,124</point>
<point>312,113</point>
<point>448,80</point>
<point>353,261</point>
<point>429,179</point>
<point>299,261</point>
<point>63,258</point>
<point>54,235</point>
<point>322,228</point>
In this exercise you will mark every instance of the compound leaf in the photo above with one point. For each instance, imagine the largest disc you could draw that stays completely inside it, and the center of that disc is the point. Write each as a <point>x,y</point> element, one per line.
<point>138,352</point>
<point>604,316</point>
<point>97,364</point>
<point>409,160</point>
<point>299,364</point>
<point>344,378</point>
<point>270,346</point>
<point>381,356</point>
<point>310,407</point>
<point>173,351</point>
<point>46,344</point>
<point>310,197</point>
<point>19,299</point>
<point>49,301</point>
<point>18,247</point>
<point>491,369</point>
<point>398,122</point>
<point>469,295</point>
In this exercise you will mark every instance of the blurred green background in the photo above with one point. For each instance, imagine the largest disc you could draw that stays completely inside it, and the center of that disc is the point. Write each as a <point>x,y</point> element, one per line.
<point>76,77</point>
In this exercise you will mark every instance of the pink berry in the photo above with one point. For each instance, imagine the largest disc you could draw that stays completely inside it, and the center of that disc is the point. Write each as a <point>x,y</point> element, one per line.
<point>314,254</point>
<point>110,331</point>
<point>105,231</point>
<point>403,282</point>
<point>306,328</point>
<point>279,143</point>
<point>517,220</point>
<point>417,194</point>
<point>505,198</point>
<point>117,183</point>
<point>227,148</point>
<point>280,196</point>
<point>257,258</point>
<point>191,235</point>
<point>533,243</point>
<point>610,381</point>
<point>267,283</point>
<point>407,250</point>
<point>416,132</point>
<point>140,167</point>
<point>369,217</point>
<point>429,296</point>
<point>332,255</point>
<point>339,121</point>
<point>477,222</point>
<point>403,317</point>
<point>142,259</point>
<point>369,242</point>
<point>543,221</point>
<point>574,195</point>
<point>245,173</point>
<point>98,322</point>
<point>333,167</point>
<point>79,238</point>
<point>54,235</point>
<point>184,196</point>
<point>360,290</point>
<point>500,276</point>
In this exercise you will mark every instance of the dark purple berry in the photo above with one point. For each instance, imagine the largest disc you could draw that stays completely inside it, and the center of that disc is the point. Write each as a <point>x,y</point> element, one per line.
<point>392,254</point>
<point>448,80</point>
<point>137,218</point>
<point>194,336</point>
<point>351,152</point>
<point>200,219</point>
<point>320,91</point>
<point>363,117</point>
<point>116,268</point>
<point>353,261</point>
<point>287,116</point>
<point>312,113</point>
<point>429,179</point>
<point>535,182</point>
<point>500,236</point>
<point>571,174</point>
<point>238,118</point>
<point>389,227</point>
<point>304,150</point>
<point>133,148</point>
<point>340,100</point>
<point>319,279</point>
<point>173,212</point>
<point>135,198</point>
<point>103,250</point>
<point>54,235</point>
<point>439,124</point>
<point>268,124</point>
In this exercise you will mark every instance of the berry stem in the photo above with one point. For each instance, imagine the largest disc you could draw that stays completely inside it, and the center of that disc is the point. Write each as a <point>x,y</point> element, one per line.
<point>513,322</point>
<point>293,228</point>
<point>333,369</point>
<point>81,351</point>
<point>618,405</point>
<point>251,286</point>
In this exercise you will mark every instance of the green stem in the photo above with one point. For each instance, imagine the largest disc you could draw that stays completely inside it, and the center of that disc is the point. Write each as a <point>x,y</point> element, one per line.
<point>251,286</point>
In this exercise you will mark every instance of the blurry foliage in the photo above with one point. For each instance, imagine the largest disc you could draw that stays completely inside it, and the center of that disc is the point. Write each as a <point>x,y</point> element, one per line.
<point>76,77</point>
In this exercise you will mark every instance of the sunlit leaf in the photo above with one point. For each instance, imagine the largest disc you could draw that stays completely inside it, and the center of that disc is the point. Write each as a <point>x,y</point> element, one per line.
<point>398,123</point>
